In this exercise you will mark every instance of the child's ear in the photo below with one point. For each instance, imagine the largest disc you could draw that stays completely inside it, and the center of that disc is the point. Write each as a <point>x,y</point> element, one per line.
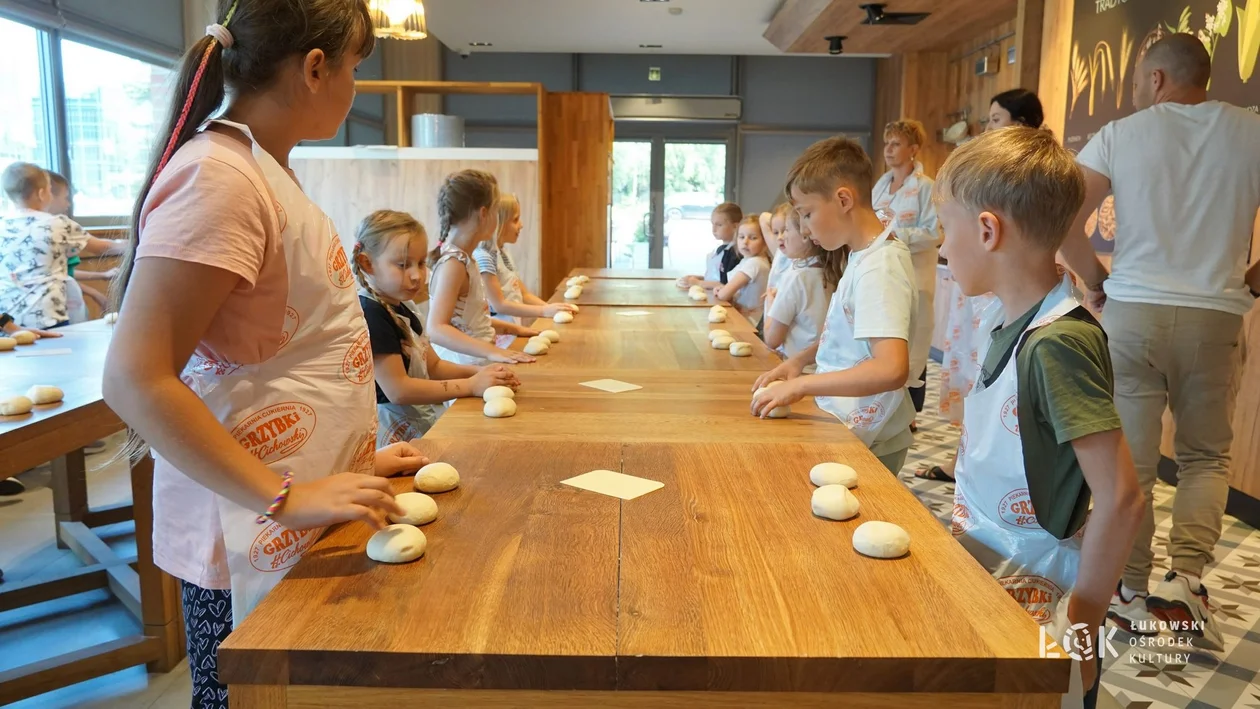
<point>847,198</point>
<point>363,263</point>
<point>990,231</point>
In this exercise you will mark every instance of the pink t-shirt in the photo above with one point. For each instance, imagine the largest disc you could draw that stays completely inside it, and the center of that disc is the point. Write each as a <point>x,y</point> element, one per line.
<point>212,206</point>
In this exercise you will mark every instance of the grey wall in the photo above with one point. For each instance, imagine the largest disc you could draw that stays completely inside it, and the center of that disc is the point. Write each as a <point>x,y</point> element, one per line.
<point>808,92</point>
<point>555,71</point>
<point>765,159</point>
<point>680,75</point>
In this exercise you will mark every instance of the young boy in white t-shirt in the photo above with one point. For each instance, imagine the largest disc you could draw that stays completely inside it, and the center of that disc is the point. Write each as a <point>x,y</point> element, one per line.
<point>863,354</point>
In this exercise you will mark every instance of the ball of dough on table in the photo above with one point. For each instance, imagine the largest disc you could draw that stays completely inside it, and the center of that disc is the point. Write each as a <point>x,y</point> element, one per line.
<point>397,544</point>
<point>573,293</point>
<point>882,540</point>
<point>833,474</point>
<point>778,412</point>
<point>498,393</point>
<point>7,343</point>
<point>534,347</point>
<point>24,337</point>
<point>440,477</point>
<point>834,502</point>
<point>741,349</point>
<point>40,395</point>
<point>499,408</point>
<point>563,318</point>
<point>722,342</point>
<point>698,295</point>
<point>551,335</point>
<point>15,406</point>
<point>583,279</point>
<point>714,334</point>
<point>575,281</point>
<point>111,318</point>
<point>717,317</point>
<point>718,309</point>
<point>418,508</point>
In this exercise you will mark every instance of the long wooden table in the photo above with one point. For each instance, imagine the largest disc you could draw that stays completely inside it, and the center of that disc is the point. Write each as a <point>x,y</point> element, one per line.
<point>720,589</point>
<point>58,433</point>
<point>631,292</point>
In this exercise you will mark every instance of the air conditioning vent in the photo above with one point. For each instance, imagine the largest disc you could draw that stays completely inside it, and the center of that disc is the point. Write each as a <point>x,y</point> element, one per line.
<point>677,108</point>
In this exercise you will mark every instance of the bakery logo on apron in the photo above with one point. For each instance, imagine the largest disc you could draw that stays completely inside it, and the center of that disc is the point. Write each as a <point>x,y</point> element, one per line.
<point>1039,596</point>
<point>960,521</point>
<point>1010,414</point>
<point>1016,509</point>
<point>848,313</point>
<point>356,366</point>
<point>291,322</point>
<point>338,266</point>
<point>907,218</point>
<point>402,431</point>
<point>282,217</point>
<point>962,441</point>
<point>864,417</point>
<point>200,364</point>
<point>276,432</point>
<point>364,459</point>
<point>276,548</point>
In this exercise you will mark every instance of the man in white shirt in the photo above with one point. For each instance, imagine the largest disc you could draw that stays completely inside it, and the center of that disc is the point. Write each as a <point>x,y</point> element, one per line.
<point>1185,173</point>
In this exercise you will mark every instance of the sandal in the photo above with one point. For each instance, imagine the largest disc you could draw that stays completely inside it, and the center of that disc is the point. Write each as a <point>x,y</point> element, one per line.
<point>935,472</point>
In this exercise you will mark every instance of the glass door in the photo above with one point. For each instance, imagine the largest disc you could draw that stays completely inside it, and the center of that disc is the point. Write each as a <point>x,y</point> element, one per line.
<point>631,224</point>
<point>695,183</point>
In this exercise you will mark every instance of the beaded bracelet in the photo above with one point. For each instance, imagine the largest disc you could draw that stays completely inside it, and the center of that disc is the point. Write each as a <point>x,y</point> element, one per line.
<point>279,501</point>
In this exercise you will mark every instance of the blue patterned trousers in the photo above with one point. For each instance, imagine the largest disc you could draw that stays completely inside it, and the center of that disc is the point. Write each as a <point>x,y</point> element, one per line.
<point>207,622</point>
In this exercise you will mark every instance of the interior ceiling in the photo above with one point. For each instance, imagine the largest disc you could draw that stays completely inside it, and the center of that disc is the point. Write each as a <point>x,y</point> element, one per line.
<point>725,27</point>
<point>803,25</point>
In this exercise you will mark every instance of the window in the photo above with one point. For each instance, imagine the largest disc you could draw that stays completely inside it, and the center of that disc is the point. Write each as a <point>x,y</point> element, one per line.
<point>23,133</point>
<point>115,105</point>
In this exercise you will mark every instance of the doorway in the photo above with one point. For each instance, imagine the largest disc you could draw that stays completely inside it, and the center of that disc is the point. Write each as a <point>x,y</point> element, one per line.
<point>664,192</point>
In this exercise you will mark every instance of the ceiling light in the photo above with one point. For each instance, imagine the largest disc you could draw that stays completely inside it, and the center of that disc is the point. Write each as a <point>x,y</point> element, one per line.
<point>481,44</point>
<point>398,19</point>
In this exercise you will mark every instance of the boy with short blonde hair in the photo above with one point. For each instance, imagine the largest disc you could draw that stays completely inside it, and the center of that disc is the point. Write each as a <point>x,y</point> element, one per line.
<point>1040,430</point>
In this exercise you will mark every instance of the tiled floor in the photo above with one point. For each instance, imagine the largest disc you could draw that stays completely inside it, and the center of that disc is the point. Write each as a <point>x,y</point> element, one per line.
<point>29,634</point>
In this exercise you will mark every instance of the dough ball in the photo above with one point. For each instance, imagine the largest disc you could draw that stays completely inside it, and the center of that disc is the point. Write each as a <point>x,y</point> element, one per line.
<point>722,342</point>
<point>741,349</point>
<point>575,281</point>
<point>563,318</point>
<point>779,412</point>
<point>111,318</point>
<point>440,477</point>
<point>7,343</point>
<point>498,393</point>
<point>717,317</point>
<point>583,279</point>
<point>882,540</point>
<point>418,508</point>
<point>714,334</point>
<point>573,293</point>
<point>25,337</point>
<point>45,395</point>
<point>835,502</point>
<point>499,408</point>
<point>397,544</point>
<point>698,294</point>
<point>833,474</point>
<point>718,309</point>
<point>534,347</point>
<point>15,406</point>
<point>575,307</point>
<point>551,335</point>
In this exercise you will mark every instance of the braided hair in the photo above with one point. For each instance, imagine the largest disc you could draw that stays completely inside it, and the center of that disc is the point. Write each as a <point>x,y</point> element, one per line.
<point>462,196</point>
<point>375,234</point>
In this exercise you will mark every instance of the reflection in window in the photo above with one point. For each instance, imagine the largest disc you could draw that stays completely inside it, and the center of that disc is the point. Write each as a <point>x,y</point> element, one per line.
<point>23,137</point>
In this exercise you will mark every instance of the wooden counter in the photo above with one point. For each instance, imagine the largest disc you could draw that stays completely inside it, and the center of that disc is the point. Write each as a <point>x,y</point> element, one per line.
<point>631,292</point>
<point>721,589</point>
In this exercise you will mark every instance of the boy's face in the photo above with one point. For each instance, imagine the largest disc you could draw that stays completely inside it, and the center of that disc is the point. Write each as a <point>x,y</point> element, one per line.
<point>829,217</point>
<point>969,241</point>
<point>60,202</point>
<point>723,227</point>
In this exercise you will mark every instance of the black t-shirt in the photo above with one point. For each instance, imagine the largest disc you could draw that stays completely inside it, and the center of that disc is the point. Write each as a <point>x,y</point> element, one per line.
<point>387,339</point>
<point>730,259</point>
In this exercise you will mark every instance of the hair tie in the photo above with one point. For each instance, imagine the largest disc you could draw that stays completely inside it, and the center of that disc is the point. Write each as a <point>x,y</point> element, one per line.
<point>221,35</point>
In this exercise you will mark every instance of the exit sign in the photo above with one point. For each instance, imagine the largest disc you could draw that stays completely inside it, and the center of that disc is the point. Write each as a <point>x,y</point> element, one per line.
<point>654,73</point>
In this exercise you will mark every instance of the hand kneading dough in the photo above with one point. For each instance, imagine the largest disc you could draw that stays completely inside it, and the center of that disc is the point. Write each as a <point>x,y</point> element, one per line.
<point>7,343</point>
<point>499,408</point>
<point>562,318</point>
<point>717,317</point>
<point>418,507</point>
<point>24,337</point>
<point>714,334</point>
<point>573,293</point>
<point>741,349</point>
<point>833,474</point>
<point>111,318</point>
<point>397,544</point>
<point>439,477</point>
<point>533,347</point>
<point>15,406</point>
<point>882,540</point>
<point>779,412</point>
<point>835,502</point>
<point>498,393</point>
<point>723,342</point>
<point>44,395</point>
<point>551,335</point>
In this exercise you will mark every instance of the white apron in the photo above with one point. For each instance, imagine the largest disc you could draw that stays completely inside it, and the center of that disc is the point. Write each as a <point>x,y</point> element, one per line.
<point>509,282</point>
<point>399,422</point>
<point>713,265</point>
<point>307,410</point>
<point>910,212</point>
<point>868,417</point>
<point>993,517</point>
<point>472,311</point>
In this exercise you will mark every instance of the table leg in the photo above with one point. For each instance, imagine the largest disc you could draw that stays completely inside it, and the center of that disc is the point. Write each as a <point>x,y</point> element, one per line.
<point>258,696</point>
<point>69,486</point>
<point>161,613</point>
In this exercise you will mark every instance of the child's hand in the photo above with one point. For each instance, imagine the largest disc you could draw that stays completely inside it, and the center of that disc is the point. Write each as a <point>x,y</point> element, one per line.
<point>494,375</point>
<point>522,331</point>
<point>553,308</point>
<point>688,281</point>
<point>770,294</point>
<point>96,297</point>
<point>783,394</point>
<point>511,357</point>
<point>339,498</point>
<point>399,458</point>
<point>785,371</point>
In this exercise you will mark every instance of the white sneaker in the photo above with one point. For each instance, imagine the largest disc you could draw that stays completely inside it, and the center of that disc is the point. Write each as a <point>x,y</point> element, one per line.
<point>1132,616</point>
<point>1186,611</point>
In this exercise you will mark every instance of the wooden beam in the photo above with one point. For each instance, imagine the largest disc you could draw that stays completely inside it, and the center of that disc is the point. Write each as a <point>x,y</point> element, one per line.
<point>110,515</point>
<point>74,667</point>
<point>495,88</point>
<point>28,593</point>
<point>69,488</point>
<point>1028,28</point>
<point>802,26</point>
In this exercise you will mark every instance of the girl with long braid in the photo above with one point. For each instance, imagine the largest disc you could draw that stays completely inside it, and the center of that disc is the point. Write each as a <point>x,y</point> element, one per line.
<point>411,380</point>
<point>241,355</point>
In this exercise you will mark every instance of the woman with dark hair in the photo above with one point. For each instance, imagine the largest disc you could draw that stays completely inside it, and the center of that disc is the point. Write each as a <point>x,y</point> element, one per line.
<point>1015,107</point>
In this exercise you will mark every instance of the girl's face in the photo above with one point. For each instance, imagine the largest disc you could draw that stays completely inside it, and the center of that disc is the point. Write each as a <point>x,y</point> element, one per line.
<point>723,227</point>
<point>512,229</point>
<point>998,118</point>
<point>796,244</point>
<point>750,241</point>
<point>327,92</point>
<point>777,226</point>
<point>398,271</point>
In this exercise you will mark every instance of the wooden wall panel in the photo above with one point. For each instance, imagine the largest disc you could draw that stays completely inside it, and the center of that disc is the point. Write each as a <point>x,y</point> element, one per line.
<point>349,190</point>
<point>410,60</point>
<point>576,147</point>
<point>1056,49</point>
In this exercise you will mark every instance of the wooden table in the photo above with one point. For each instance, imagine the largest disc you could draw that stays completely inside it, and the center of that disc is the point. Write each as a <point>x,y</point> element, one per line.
<point>720,589</point>
<point>648,273</point>
<point>58,433</point>
<point>630,292</point>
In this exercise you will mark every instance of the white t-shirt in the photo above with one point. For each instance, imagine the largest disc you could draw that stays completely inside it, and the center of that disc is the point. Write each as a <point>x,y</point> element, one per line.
<point>1186,180</point>
<point>801,305</point>
<point>748,300</point>
<point>778,267</point>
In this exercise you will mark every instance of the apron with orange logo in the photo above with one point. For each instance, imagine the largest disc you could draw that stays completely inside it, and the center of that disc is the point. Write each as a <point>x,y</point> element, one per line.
<point>310,409</point>
<point>403,422</point>
<point>909,211</point>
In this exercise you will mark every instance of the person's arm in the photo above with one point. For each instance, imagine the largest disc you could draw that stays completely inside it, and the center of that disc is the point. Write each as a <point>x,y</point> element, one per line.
<point>781,313</point>
<point>169,307</point>
<point>734,282</point>
<point>776,333</point>
<point>8,327</point>
<point>789,368</point>
<point>406,390</point>
<point>1095,161</point>
<point>449,279</point>
<point>500,304</point>
<point>81,275</point>
<point>503,327</point>
<point>886,370</point>
<point>103,247</point>
<point>439,368</point>
<point>97,297</point>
